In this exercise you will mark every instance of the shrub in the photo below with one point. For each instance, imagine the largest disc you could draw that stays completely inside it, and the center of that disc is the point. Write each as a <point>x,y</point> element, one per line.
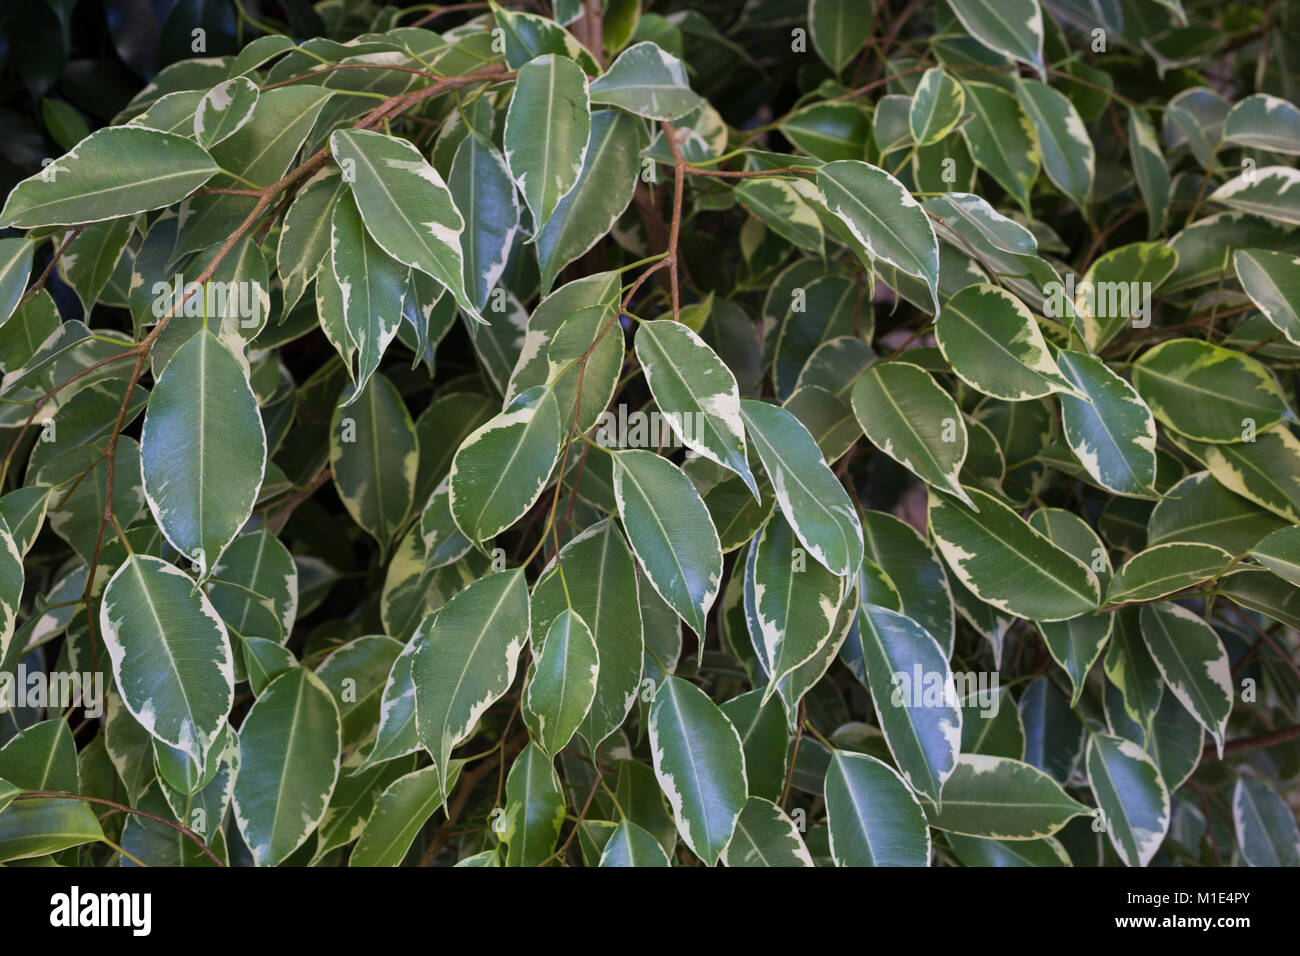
<point>771,434</point>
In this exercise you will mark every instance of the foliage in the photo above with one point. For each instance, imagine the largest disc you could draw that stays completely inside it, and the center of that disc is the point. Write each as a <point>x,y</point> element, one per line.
<point>768,433</point>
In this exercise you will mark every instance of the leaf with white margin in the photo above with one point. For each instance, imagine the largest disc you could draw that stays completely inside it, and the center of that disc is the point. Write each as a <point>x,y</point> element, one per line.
<point>993,343</point>
<point>288,764</point>
<point>604,189</point>
<point>1165,568</point>
<point>1193,662</point>
<point>1264,824</point>
<point>213,798</point>
<point>15,269</point>
<point>997,230</point>
<point>501,469</point>
<point>365,296</point>
<point>11,585</point>
<point>780,205</point>
<point>406,207</point>
<point>1013,28</point>
<point>1280,553</point>
<point>765,836</point>
<point>255,574</point>
<point>534,811</point>
<point>983,852</point>
<point>648,82</point>
<point>1069,158</point>
<point>443,542</point>
<point>1209,393</point>
<point>1270,192</point>
<point>907,415</point>
<point>795,604</point>
<point>807,491</point>
<point>396,736</point>
<point>304,244</point>
<point>1004,562</point>
<point>468,661</point>
<point>116,171</point>
<point>171,655</point>
<point>1264,122</point>
<point>1077,643</point>
<point>914,571</point>
<point>563,683</point>
<point>696,393</point>
<point>1004,799</point>
<point>937,106</point>
<point>401,810</point>
<point>1272,280</point>
<point>1149,169</point>
<point>1265,471</point>
<point>1001,139</point>
<point>631,845</point>
<point>484,194</point>
<point>223,110</point>
<point>873,817</point>
<point>916,702</point>
<point>548,124</point>
<point>1110,298</point>
<point>882,215</point>
<point>1112,433</point>
<point>202,449</point>
<point>700,764</point>
<point>1131,795</point>
<point>373,458</point>
<point>671,533</point>
<point>599,582</point>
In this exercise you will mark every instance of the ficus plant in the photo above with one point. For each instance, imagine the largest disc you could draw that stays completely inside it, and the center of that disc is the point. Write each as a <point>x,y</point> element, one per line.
<point>629,434</point>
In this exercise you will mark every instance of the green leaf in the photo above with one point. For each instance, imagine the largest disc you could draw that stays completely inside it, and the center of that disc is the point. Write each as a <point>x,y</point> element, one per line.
<point>1001,139</point>
<point>406,206</point>
<point>910,418</point>
<point>171,656</point>
<point>873,818</point>
<point>1003,799</point>
<point>1199,509</point>
<point>783,206</point>
<point>937,105</point>
<point>484,193</point>
<point>1013,28</point>
<point>223,110</point>
<point>1267,192</point>
<point>33,828</point>
<point>113,172</point>
<point>994,345</point>
<point>1192,661</point>
<point>1208,393</point>
<point>1272,280</point>
<point>631,845</point>
<point>980,851</point>
<point>547,127</point>
<point>288,764</point>
<point>648,82</point>
<point>1149,169</point>
<point>1112,432</point>
<point>15,269</point>
<point>1007,564</point>
<point>603,191</point>
<point>809,495</point>
<point>671,533</point>
<point>765,836</point>
<point>202,450</point>
<point>1164,569</point>
<point>1068,156</point>
<point>534,809</point>
<point>304,245</point>
<point>1131,795</point>
<point>882,215</point>
<point>502,468</point>
<point>1264,122</point>
<point>563,684</point>
<point>829,130</point>
<point>840,28</point>
<point>373,459</point>
<point>700,764</point>
<point>1280,553</point>
<point>696,392</point>
<point>1264,824</point>
<point>401,810</point>
<point>468,661</point>
<point>1266,470</point>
